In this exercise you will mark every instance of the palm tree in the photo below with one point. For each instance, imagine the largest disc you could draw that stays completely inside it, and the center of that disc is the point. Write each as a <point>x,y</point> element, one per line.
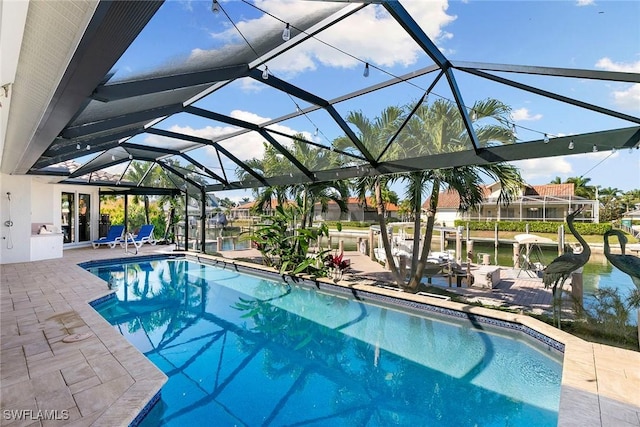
<point>268,165</point>
<point>629,200</point>
<point>608,198</point>
<point>136,173</point>
<point>438,128</point>
<point>556,180</point>
<point>581,188</point>
<point>374,135</point>
<point>313,158</point>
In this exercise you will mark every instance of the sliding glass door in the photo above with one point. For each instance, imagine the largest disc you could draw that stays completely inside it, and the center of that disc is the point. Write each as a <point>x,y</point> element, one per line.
<point>68,217</point>
<point>76,217</point>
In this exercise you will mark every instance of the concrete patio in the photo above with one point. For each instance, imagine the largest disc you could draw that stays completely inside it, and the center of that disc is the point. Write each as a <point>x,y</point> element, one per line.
<point>104,380</point>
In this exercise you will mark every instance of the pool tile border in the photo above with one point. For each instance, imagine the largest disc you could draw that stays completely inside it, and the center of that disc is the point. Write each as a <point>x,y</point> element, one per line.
<point>425,307</point>
<point>538,336</point>
<point>111,296</point>
<point>102,299</point>
<point>574,381</point>
<point>146,409</point>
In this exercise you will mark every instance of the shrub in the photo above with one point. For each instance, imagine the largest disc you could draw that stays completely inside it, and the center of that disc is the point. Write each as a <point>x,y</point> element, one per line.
<point>534,227</point>
<point>285,247</point>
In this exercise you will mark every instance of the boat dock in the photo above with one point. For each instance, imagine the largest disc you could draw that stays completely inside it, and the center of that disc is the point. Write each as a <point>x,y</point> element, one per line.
<point>515,288</point>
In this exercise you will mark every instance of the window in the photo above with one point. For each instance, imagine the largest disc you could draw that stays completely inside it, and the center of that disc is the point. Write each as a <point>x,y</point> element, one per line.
<point>76,217</point>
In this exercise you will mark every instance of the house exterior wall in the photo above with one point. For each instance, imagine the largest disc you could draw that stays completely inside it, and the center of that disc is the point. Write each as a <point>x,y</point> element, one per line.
<point>550,202</point>
<point>16,243</point>
<point>356,213</point>
<point>446,217</point>
<point>34,202</point>
<point>532,211</point>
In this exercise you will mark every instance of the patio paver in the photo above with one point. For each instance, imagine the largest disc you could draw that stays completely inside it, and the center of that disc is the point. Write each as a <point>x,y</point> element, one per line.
<point>104,380</point>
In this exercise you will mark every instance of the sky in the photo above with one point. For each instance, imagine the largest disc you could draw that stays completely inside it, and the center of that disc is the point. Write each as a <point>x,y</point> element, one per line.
<point>584,34</point>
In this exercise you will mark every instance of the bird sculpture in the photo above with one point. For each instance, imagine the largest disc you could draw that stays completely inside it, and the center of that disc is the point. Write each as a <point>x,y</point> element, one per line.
<point>628,264</point>
<point>561,268</point>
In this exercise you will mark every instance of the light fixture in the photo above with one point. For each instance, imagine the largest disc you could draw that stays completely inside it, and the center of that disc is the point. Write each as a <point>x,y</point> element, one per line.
<point>474,116</point>
<point>614,149</point>
<point>286,33</point>
<point>595,148</point>
<point>514,132</point>
<point>265,73</point>
<point>366,70</point>
<point>571,145</point>
<point>546,138</point>
<point>315,132</point>
<point>88,147</point>
<point>130,156</point>
<point>78,147</point>
<point>215,7</point>
<point>113,158</point>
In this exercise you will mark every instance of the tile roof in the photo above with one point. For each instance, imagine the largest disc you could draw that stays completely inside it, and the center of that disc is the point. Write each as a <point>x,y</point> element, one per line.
<point>556,190</point>
<point>450,199</point>
<point>390,207</point>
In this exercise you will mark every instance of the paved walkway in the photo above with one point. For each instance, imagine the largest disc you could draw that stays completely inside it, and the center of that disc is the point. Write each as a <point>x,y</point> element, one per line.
<point>515,289</point>
<point>103,380</point>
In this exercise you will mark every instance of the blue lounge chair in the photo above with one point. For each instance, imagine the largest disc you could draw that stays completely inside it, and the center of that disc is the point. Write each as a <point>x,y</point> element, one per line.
<point>145,235</point>
<point>114,236</point>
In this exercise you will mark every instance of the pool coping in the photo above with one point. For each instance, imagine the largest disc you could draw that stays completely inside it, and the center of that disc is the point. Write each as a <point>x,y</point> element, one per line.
<point>596,389</point>
<point>599,382</point>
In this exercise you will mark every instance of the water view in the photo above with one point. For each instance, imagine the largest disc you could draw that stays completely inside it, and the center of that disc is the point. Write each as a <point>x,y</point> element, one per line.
<point>598,273</point>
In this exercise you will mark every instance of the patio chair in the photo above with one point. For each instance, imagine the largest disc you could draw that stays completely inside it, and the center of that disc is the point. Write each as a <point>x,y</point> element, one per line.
<point>113,237</point>
<point>145,235</point>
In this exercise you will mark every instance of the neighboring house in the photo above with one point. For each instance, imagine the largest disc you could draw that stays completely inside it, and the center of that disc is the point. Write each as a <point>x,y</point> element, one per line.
<point>550,202</point>
<point>633,215</point>
<point>194,209</point>
<point>242,211</point>
<point>245,210</point>
<point>628,220</point>
<point>357,211</point>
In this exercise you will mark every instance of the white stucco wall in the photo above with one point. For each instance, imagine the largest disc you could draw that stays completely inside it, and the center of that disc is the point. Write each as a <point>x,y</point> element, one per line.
<point>446,216</point>
<point>15,240</point>
<point>42,203</point>
<point>39,202</point>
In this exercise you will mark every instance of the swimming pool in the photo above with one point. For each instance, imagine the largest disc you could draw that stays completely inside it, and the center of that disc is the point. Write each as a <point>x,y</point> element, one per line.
<point>247,350</point>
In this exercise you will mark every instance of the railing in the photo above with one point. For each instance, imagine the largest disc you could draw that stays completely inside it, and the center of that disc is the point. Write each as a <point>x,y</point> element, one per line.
<point>635,233</point>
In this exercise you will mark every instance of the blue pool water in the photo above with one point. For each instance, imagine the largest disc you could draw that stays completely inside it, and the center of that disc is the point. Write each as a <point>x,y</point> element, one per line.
<point>244,350</point>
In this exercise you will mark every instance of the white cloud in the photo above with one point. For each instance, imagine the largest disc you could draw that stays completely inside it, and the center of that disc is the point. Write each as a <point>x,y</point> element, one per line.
<point>187,5</point>
<point>608,65</point>
<point>523,114</point>
<point>543,170</point>
<point>249,85</point>
<point>585,2</point>
<point>244,147</point>
<point>628,98</point>
<point>371,35</point>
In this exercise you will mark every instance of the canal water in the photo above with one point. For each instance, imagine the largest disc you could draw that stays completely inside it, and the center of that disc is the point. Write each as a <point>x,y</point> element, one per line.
<point>598,273</point>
